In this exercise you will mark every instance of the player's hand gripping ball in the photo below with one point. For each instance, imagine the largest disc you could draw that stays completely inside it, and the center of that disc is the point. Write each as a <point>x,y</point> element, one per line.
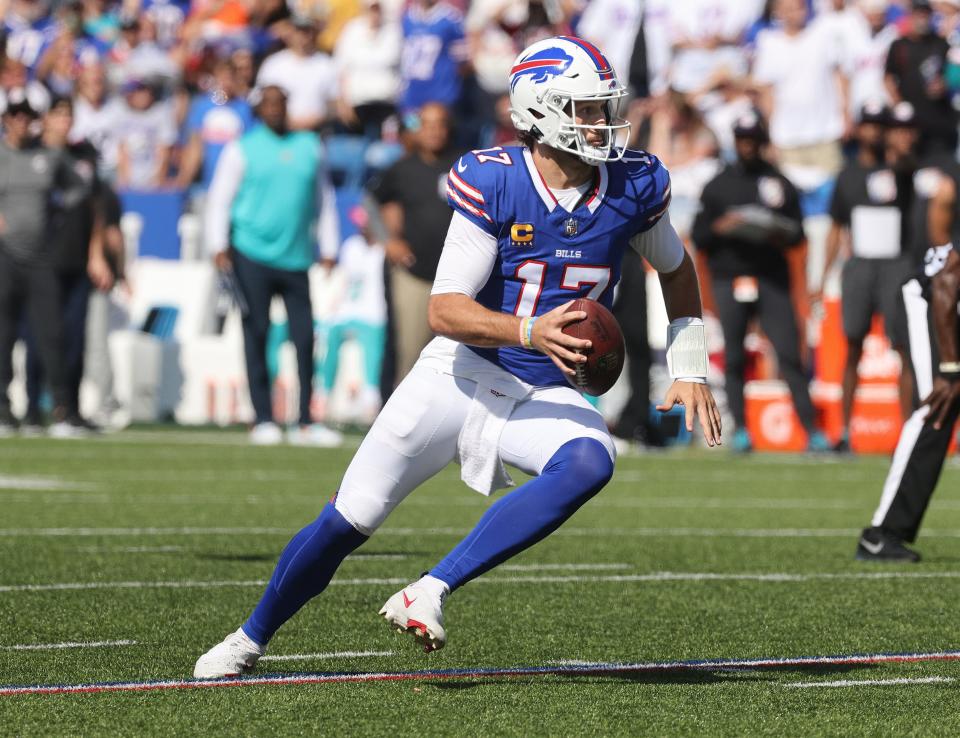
<point>605,356</point>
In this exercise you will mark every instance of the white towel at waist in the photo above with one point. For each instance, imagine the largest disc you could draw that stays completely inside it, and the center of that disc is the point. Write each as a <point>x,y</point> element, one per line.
<point>478,447</point>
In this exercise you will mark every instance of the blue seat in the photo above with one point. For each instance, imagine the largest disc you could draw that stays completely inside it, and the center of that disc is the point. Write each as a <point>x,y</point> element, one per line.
<point>346,160</point>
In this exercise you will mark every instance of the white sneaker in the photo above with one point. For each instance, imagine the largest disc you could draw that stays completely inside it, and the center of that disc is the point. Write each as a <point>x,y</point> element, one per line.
<point>316,434</point>
<point>418,610</point>
<point>266,434</point>
<point>234,655</point>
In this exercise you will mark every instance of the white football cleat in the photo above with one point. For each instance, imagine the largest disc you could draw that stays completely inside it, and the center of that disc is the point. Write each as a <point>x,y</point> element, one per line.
<point>418,610</point>
<point>316,434</point>
<point>235,655</point>
<point>266,434</point>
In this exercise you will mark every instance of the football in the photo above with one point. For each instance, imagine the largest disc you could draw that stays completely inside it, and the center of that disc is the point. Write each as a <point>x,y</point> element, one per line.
<point>605,357</point>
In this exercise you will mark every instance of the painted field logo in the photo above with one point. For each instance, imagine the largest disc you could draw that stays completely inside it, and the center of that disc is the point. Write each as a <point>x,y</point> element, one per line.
<point>541,66</point>
<point>521,234</point>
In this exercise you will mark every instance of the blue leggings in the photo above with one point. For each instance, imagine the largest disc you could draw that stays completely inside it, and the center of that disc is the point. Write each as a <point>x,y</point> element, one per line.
<point>371,338</point>
<point>575,473</point>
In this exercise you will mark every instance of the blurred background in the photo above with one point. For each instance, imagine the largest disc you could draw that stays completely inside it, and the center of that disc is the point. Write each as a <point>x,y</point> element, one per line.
<point>143,96</point>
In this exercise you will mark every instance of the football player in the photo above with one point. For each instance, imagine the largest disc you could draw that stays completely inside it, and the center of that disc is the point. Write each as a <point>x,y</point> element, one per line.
<point>534,227</point>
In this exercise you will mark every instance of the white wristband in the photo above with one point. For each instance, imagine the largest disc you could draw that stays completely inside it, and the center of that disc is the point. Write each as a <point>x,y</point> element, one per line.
<point>687,350</point>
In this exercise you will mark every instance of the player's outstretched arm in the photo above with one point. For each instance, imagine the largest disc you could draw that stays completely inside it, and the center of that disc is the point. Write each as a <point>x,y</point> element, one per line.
<point>681,296</point>
<point>461,318</point>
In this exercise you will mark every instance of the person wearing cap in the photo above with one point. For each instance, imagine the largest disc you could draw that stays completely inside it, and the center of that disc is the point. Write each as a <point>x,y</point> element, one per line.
<point>308,76</point>
<point>915,73</point>
<point>870,214</point>
<point>269,190</point>
<point>36,183</point>
<point>749,216</point>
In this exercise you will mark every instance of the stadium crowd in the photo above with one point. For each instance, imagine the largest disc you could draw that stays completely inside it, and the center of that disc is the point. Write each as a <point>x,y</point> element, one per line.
<point>397,89</point>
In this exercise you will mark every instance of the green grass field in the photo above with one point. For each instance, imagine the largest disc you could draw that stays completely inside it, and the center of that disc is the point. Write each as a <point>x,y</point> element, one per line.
<point>177,530</point>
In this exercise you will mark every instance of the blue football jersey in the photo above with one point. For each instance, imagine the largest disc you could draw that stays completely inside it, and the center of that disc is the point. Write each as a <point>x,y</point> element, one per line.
<point>547,256</point>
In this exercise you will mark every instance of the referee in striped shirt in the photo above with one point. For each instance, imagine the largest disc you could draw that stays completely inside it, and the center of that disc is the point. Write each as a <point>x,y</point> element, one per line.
<point>931,301</point>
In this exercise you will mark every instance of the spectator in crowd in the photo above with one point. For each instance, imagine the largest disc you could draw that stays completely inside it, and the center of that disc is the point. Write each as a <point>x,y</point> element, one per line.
<point>361,314</point>
<point>612,25</point>
<point>138,55</point>
<point>34,180</point>
<point>688,149</point>
<point>268,191</point>
<point>870,46</point>
<point>14,75</point>
<point>871,212</point>
<point>915,73</point>
<point>705,37</point>
<point>76,254</point>
<point>750,215</point>
<point>146,133</point>
<point>803,93</point>
<point>29,28</point>
<point>309,76</point>
<point>244,68</point>
<point>721,103</point>
<point>414,210</point>
<point>434,50</point>
<point>367,57</point>
<point>95,116</point>
<point>216,117</point>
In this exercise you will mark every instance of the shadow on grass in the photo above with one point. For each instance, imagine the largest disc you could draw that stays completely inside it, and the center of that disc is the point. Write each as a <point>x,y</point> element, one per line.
<point>679,676</point>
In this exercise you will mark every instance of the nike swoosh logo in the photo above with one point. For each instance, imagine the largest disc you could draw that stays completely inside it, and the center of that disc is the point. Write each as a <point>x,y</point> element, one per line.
<point>873,548</point>
<point>461,167</point>
<point>407,602</point>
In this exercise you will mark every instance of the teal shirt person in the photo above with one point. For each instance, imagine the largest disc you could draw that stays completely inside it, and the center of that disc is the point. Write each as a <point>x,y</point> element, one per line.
<point>271,198</point>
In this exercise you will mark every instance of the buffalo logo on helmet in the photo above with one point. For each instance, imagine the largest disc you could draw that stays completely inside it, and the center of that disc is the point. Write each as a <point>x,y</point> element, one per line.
<point>541,66</point>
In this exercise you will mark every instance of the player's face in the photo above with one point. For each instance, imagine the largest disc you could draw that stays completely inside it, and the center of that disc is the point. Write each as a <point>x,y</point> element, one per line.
<point>592,113</point>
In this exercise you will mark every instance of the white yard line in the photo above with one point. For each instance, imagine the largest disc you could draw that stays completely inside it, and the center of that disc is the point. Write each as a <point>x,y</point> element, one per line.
<point>324,656</point>
<point>450,531</point>
<point>8,482</point>
<point>67,644</point>
<point>872,682</point>
<point>662,576</point>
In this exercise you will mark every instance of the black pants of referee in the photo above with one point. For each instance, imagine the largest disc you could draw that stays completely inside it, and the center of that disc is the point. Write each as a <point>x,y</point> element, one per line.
<point>259,283</point>
<point>779,322</point>
<point>921,449</point>
<point>34,290</point>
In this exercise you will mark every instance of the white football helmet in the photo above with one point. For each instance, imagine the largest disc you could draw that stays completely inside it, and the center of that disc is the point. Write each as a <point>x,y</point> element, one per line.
<point>547,81</point>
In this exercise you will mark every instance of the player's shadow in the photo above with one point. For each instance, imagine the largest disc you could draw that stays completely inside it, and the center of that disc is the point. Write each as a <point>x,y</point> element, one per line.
<point>678,676</point>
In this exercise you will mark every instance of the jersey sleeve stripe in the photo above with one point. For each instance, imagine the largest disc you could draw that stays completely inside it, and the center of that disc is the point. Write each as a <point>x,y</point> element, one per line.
<point>466,205</point>
<point>472,192</point>
<point>656,216</point>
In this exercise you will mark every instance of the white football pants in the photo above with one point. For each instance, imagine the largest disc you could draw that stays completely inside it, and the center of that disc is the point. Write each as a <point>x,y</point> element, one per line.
<point>416,434</point>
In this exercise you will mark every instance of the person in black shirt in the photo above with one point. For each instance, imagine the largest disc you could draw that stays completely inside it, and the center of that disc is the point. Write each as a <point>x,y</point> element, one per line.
<point>749,214</point>
<point>413,206</point>
<point>914,73</point>
<point>871,209</point>
<point>78,260</point>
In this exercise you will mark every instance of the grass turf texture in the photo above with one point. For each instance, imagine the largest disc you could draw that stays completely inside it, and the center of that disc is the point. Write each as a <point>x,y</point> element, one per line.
<point>688,512</point>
